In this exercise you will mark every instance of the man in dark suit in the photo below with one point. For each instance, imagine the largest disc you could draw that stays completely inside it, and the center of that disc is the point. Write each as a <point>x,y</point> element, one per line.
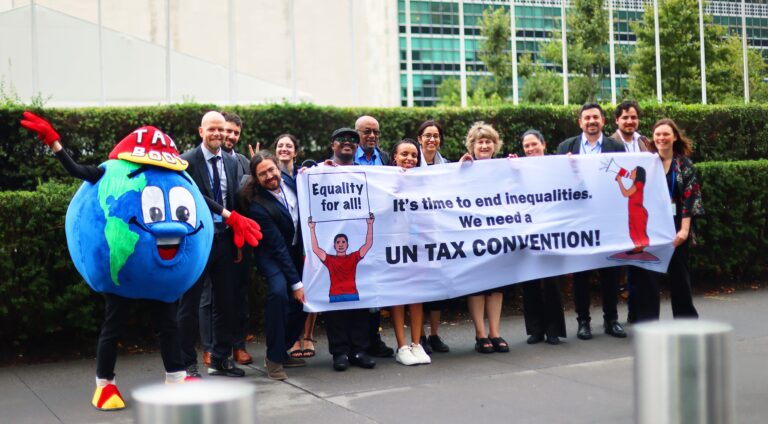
<point>592,141</point>
<point>232,129</point>
<point>217,175</point>
<point>272,202</point>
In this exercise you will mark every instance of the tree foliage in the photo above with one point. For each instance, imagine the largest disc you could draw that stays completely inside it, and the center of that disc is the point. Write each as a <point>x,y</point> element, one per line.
<point>495,50</point>
<point>588,59</point>
<point>680,55</point>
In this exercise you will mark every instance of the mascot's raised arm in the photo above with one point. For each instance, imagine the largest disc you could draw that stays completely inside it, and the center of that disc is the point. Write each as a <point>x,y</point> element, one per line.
<point>138,228</point>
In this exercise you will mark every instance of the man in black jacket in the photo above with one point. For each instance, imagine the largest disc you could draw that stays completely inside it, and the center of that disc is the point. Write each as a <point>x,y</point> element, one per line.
<point>272,202</point>
<point>592,141</point>
<point>218,176</point>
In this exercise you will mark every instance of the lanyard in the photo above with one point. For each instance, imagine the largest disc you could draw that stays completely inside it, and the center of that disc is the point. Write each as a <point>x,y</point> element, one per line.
<point>285,200</point>
<point>672,183</point>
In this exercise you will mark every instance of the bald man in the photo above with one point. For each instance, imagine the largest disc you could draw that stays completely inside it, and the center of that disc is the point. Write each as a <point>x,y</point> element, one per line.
<point>218,176</point>
<point>368,152</point>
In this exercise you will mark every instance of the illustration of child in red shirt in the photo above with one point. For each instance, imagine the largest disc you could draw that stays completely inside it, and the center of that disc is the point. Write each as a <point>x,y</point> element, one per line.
<point>342,267</point>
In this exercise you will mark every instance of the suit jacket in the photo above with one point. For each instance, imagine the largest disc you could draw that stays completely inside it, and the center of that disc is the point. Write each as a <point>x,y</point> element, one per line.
<point>274,254</point>
<point>617,136</point>
<point>244,162</point>
<point>573,145</point>
<point>198,170</point>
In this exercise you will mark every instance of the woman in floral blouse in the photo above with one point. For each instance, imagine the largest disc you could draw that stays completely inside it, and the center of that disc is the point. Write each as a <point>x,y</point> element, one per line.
<point>685,194</point>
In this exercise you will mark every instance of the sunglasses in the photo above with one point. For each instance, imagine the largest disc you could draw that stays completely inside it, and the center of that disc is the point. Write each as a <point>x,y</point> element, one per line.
<point>369,131</point>
<point>346,139</point>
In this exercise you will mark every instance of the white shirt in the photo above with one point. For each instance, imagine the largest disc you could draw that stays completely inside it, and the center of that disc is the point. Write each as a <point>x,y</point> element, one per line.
<point>289,199</point>
<point>634,145</point>
<point>222,174</point>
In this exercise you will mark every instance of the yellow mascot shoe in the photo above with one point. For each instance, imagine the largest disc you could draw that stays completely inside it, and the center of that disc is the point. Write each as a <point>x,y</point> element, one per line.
<point>108,398</point>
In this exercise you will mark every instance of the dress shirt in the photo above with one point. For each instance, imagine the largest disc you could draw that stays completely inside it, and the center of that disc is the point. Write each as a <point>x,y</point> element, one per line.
<point>587,149</point>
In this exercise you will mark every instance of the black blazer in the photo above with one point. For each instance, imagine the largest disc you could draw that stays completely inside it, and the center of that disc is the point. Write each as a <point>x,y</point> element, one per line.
<point>199,172</point>
<point>573,145</point>
<point>274,254</point>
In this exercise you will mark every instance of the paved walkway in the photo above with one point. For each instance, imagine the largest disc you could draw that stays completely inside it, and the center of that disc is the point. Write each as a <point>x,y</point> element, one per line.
<point>575,382</point>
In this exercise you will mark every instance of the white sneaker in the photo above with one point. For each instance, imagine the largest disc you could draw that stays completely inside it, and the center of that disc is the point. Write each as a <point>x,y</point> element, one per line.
<point>405,356</point>
<point>418,352</point>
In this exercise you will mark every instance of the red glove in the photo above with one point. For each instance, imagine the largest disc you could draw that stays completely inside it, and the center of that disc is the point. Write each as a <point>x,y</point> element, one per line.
<point>42,127</point>
<point>245,229</point>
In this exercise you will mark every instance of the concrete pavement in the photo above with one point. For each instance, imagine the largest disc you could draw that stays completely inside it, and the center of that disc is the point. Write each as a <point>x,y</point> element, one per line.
<point>575,382</point>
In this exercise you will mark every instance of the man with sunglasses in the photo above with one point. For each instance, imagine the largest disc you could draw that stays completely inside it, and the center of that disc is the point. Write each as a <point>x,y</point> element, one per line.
<point>347,330</point>
<point>368,152</point>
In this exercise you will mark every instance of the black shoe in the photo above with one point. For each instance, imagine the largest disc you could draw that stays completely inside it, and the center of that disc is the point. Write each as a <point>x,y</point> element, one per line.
<point>225,367</point>
<point>379,349</point>
<point>360,359</point>
<point>340,362</point>
<point>584,332</point>
<point>192,372</point>
<point>613,328</point>
<point>553,340</point>
<point>427,348</point>
<point>437,344</point>
<point>535,338</point>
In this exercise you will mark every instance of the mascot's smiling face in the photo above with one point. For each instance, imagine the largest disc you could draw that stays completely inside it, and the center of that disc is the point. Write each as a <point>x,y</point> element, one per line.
<point>142,231</point>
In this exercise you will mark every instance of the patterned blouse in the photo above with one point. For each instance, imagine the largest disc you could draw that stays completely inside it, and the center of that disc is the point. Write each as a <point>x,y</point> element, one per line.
<point>687,185</point>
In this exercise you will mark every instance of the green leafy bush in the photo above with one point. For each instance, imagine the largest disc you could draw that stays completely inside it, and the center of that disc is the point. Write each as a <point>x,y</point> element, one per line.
<point>733,234</point>
<point>719,132</point>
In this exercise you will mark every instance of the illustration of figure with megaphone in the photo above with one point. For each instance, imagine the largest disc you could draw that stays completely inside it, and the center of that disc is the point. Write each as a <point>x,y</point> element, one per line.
<point>638,215</point>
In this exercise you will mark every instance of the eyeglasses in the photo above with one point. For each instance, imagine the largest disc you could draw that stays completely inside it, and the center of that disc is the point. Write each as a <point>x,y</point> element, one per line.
<point>369,131</point>
<point>431,136</point>
<point>346,139</point>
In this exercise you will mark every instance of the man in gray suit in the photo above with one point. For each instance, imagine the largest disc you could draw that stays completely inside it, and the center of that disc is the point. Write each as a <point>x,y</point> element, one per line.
<point>627,117</point>
<point>590,142</point>
<point>639,300</point>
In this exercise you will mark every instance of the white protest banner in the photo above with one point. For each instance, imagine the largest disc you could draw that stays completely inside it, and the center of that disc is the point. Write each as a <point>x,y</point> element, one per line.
<point>386,236</point>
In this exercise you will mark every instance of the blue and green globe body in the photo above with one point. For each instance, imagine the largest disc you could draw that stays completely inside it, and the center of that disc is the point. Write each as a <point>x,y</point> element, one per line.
<point>139,232</point>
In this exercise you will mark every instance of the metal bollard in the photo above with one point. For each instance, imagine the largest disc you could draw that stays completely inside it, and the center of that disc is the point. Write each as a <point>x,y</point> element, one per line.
<point>200,402</point>
<point>683,372</point>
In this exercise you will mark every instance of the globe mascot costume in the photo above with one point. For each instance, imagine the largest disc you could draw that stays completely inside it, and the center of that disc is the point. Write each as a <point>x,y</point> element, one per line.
<point>138,228</point>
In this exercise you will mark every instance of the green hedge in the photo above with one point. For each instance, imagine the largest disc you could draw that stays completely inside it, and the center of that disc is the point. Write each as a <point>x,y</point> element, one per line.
<point>733,234</point>
<point>719,132</point>
<point>43,297</point>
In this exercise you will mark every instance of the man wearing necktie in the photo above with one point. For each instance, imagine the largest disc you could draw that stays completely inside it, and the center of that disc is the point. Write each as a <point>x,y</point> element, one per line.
<point>218,176</point>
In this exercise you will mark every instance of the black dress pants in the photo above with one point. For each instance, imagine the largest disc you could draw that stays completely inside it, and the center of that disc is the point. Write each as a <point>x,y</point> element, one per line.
<point>224,282</point>
<point>609,284</point>
<point>680,284</point>
<point>645,293</point>
<point>348,331</point>
<point>543,308</point>
<point>115,316</point>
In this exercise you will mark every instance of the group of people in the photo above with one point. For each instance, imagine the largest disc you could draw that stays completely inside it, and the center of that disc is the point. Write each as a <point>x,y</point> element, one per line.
<point>354,335</point>
<point>263,188</point>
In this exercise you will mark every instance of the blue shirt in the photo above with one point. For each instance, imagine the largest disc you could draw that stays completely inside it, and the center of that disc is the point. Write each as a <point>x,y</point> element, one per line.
<point>361,159</point>
<point>587,149</point>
